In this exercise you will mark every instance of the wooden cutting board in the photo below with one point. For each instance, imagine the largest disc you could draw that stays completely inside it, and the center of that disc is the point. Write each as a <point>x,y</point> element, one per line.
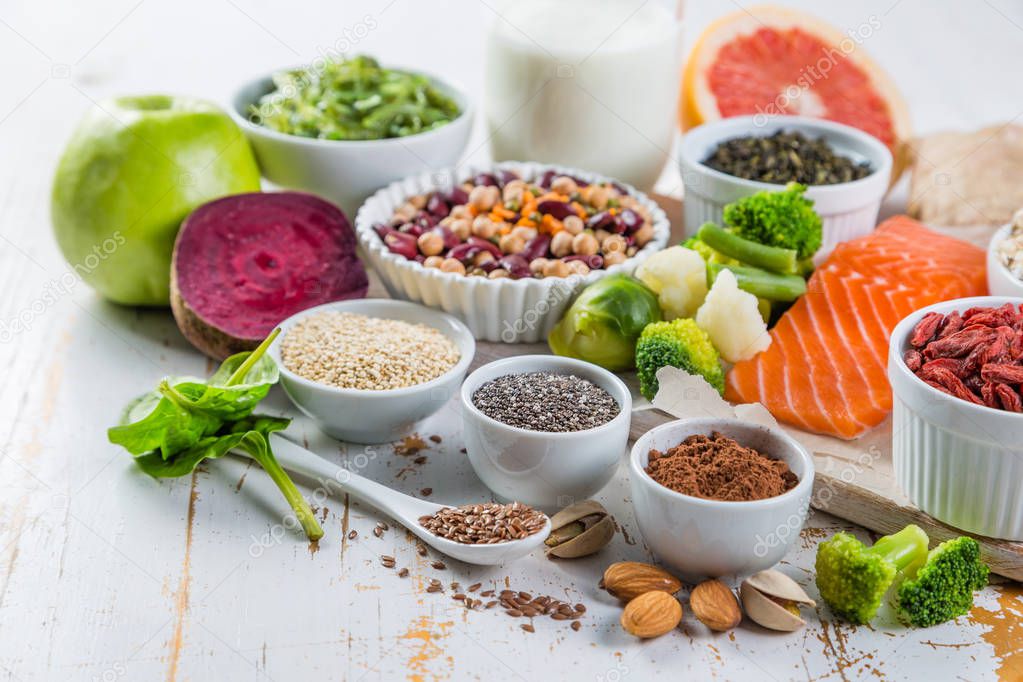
<point>854,479</point>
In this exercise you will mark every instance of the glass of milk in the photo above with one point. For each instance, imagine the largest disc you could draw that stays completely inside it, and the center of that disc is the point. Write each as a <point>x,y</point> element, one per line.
<point>586,83</point>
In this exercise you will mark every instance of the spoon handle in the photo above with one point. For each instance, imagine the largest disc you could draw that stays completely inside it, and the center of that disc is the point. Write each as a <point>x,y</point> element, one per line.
<point>333,478</point>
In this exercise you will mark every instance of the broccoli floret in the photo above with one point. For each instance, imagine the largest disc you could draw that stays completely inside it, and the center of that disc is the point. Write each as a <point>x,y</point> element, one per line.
<point>679,343</point>
<point>943,587</point>
<point>853,578</point>
<point>784,219</point>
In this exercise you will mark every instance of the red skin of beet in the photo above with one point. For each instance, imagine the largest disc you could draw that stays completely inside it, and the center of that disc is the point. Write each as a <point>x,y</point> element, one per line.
<point>244,263</point>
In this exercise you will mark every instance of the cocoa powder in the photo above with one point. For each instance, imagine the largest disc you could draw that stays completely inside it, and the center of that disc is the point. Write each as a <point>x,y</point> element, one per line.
<point>716,467</point>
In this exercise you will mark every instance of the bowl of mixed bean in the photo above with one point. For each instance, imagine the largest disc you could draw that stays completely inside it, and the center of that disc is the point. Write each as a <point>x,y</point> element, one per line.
<point>505,248</point>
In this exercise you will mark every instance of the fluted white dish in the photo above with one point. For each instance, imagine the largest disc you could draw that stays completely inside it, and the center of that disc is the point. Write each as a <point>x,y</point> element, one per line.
<point>701,538</point>
<point>959,462</point>
<point>848,210</point>
<point>1001,282</point>
<point>508,310</point>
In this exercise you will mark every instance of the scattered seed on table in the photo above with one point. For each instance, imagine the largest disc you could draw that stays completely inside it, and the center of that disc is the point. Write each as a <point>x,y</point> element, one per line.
<point>576,625</point>
<point>455,584</point>
<point>475,586</point>
<point>559,616</point>
<point>491,604</point>
<point>348,350</point>
<point>580,608</point>
<point>421,459</point>
<point>383,526</point>
<point>542,401</point>
<point>421,550</point>
<point>426,492</point>
<point>434,588</point>
<point>514,613</point>
<point>403,572</point>
<point>435,438</point>
<point>439,565</point>
<point>527,627</point>
<point>459,597</point>
<point>378,531</point>
<point>352,534</point>
<point>487,593</point>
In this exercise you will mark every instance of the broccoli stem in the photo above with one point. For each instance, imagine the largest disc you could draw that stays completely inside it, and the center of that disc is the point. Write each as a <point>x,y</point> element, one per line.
<point>761,283</point>
<point>748,251</point>
<point>906,550</point>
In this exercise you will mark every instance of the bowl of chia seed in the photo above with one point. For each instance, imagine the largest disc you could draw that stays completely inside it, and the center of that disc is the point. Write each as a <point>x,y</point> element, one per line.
<point>545,430</point>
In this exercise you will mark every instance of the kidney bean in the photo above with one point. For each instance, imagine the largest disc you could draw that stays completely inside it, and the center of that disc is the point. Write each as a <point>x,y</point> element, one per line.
<point>451,239</point>
<point>486,179</point>
<point>558,209</point>
<point>437,206</point>
<point>593,262</point>
<point>464,252</point>
<point>630,219</point>
<point>516,265</point>
<point>506,176</point>
<point>545,179</point>
<point>536,247</point>
<point>485,245</point>
<point>402,244</point>
<point>382,229</point>
<point>456,196</point>
<point>489,265</point>
<point>600,220</point>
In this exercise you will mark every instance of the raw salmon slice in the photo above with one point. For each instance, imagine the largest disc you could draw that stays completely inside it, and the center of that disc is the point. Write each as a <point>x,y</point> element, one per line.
<point>826,368</point>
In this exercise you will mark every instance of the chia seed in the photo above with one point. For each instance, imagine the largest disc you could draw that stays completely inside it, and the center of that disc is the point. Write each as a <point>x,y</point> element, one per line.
<point>542,401</point>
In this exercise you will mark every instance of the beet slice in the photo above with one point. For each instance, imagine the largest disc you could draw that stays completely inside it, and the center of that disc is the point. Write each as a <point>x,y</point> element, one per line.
<point>244,263</point>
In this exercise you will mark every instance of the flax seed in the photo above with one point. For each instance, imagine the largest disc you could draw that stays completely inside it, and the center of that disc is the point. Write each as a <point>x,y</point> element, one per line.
<point>403,573</point>
<point>527,627</point>
<point>576,625</point>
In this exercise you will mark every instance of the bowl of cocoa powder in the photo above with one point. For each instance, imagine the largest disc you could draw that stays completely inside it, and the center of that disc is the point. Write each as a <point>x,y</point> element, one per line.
<point>719,497</point>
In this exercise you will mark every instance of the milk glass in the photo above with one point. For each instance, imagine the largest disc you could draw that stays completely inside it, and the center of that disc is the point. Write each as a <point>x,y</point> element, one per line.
<point>585,83</point>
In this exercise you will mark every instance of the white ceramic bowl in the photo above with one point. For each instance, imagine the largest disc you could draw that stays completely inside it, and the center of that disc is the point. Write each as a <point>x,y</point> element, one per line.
<point>512,311</point>
<point>545,470</point>
<point>365,416</point>
<point>701,538</point>
<point>959,462</point>
<point>848,210</point>
<point>1001,282</point>
<point>344,171</point>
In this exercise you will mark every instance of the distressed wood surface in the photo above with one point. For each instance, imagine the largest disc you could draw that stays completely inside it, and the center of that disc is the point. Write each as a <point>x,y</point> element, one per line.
<point>108,575</point>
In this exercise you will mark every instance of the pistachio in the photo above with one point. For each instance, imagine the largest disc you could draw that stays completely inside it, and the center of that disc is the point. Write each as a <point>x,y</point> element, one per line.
<point>579,530</point>
<point>772,600</point>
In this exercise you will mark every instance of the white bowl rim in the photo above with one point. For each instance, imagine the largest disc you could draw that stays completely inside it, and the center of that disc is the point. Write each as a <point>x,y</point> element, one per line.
<point>459,93</point>
<point>709,424</point>
<point>901,333</point>
<point>996,239</point>
<point>465,336</point>
<point>726,128</point>
<point>565,362</point>
<point>369,239</point>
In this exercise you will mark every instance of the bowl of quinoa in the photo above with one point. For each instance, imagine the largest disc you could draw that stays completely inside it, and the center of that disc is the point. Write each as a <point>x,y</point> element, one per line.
<point>1005,259</point>
<point>366,371</point>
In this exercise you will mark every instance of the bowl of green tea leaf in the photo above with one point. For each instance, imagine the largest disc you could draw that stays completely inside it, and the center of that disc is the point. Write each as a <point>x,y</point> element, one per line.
<point>845,170</point>
<point>344,128</point>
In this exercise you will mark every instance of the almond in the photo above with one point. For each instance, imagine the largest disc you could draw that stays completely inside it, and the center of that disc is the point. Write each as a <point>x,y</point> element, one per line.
<point>651,614</point>
<point>627,580</point>
<point>715,605</point>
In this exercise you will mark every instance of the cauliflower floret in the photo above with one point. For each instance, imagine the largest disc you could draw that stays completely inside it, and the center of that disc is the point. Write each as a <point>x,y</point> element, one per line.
<point>679,278</point>
<point>732,319</point>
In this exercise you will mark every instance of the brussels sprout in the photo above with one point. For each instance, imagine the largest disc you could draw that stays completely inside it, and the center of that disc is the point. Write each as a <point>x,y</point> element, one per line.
<point>604,322</point>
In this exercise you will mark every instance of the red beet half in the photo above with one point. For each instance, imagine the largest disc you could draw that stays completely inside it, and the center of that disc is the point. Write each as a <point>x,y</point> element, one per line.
<point>244,263</point>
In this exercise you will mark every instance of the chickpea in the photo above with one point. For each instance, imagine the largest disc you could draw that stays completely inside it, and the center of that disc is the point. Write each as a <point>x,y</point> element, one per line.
<point>452,265</point>
<point>511,244</point>
<point>461,228</point>
<point>564,185</point>
<point>498,273</point>
<point>430,243</point>
<point>460,211</point>
<point>406,212</point>
<point>446,221</point>
<point>631,251</point>
<point>556,268</point>
<point>418,201</point>
<point>561,244</point>
<point>484,197</point>
<point>433,262</point>
<point>584,244</point>
<point>524,233</point>
<point>614,258</point>
<point>613,243</point>
<point>514,191</point>
<point>573,224</point>
<point>484,227</point>
<point>644,234</point>
<point>577,267</point>
<point>536,266</point>
<point>601,235</point>
<point>482,257</point>
<point>597,197</point>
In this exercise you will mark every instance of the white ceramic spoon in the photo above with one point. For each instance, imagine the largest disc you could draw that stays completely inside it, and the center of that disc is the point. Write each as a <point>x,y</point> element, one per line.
<point>403,508</point>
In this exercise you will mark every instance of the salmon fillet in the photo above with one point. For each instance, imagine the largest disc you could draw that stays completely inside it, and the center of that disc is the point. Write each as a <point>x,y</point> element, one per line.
<point>826,368</point>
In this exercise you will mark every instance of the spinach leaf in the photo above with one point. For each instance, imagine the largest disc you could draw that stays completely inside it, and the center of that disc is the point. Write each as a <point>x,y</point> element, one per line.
<point>211,447</point>
<point>169,425</point>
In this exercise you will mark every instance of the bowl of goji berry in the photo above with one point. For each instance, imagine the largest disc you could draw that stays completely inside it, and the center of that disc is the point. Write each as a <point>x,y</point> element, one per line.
<point>956,370</point>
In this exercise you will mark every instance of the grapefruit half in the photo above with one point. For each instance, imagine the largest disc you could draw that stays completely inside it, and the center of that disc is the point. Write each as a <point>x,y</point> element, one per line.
<point>773,60</point>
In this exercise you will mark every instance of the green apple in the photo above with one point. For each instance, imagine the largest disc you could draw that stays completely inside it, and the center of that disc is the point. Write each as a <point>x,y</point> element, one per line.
<point>133,170</point>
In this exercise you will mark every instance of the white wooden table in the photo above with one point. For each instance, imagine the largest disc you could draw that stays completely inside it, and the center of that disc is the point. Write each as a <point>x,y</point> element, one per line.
<point>106,574</point>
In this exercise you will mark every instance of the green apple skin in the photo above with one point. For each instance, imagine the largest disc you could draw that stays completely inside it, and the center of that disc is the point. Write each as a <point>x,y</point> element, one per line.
<point>133,170</point>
